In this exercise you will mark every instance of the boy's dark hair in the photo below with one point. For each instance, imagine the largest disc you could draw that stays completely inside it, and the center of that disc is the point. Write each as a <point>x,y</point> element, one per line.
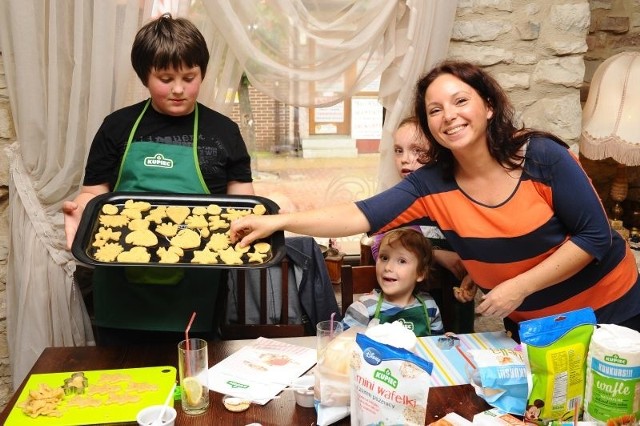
<point>413,240</point>
<point>168,42</point>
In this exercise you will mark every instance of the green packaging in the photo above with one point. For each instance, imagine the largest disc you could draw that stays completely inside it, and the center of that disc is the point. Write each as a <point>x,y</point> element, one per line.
<point>555,350</point>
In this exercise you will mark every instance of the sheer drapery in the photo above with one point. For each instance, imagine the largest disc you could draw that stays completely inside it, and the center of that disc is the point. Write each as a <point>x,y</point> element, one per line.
<point>317,52</point>
<point>67,66</point>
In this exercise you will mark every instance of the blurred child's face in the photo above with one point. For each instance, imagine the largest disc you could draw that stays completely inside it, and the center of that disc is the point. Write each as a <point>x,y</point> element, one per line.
<point>397,272</point>
<point>174,91</point>
<point>408,143</point>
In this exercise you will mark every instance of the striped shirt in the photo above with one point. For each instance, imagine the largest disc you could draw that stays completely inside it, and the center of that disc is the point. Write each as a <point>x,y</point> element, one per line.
<point>362,311</point>
<point>554,202</point>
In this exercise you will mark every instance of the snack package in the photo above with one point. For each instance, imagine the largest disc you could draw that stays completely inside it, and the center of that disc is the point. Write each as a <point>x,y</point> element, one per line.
<point>555,350</point>
<point>389,385</point>
<point>612,394</point>
<point>500,378</point>
<point>332,379</point>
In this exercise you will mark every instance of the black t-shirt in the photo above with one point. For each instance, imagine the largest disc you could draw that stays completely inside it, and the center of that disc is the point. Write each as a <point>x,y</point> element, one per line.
<point>222,153</point>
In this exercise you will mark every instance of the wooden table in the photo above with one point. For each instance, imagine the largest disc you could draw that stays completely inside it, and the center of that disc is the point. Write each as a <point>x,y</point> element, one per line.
<point>282,411</point>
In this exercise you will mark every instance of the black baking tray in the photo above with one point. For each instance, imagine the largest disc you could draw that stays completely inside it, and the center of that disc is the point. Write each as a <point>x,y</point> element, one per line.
<point>83,250</point>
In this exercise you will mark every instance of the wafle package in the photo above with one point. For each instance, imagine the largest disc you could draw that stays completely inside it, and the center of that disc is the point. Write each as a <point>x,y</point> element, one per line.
<point>555,350</point>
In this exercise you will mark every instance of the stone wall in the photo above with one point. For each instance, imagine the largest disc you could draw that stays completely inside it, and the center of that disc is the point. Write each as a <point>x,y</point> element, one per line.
<point>543,52</point>
<point>535,50</point>
<point>7,135</point>
<point>614,28</point>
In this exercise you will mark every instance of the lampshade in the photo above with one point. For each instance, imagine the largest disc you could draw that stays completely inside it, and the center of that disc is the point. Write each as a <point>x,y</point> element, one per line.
<point>611,115</point>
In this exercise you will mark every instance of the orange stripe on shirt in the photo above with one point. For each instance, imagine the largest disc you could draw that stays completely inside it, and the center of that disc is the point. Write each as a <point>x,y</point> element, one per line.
<point>603,293</point>
<point>497,222</point>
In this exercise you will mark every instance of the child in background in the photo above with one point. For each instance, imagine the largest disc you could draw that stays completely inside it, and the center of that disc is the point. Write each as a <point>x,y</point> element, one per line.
<point>403,264</point>
<point>410,146</point>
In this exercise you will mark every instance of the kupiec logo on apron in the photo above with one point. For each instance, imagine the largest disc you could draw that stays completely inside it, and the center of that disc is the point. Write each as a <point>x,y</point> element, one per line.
<point>158,160</point>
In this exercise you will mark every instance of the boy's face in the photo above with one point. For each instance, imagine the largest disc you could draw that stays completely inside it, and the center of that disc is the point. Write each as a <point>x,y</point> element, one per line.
<point>397,272</point>
<point>174,91</point>
<point>408,143</point>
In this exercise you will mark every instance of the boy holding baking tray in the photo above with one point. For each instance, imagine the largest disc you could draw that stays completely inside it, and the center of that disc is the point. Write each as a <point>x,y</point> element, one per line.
<point>138,304</point>
<point>403,264</point>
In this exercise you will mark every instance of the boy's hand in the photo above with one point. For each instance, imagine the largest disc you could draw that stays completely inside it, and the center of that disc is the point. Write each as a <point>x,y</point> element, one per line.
<point>72,214</point>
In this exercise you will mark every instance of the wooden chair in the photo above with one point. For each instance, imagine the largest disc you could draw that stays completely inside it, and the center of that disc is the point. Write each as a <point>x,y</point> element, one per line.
<point>243,330</point>
<point>355,280</point>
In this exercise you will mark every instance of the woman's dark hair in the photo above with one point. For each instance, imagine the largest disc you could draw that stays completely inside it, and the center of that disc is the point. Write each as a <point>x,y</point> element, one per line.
<point>504,139</point>
<point>167,42</point>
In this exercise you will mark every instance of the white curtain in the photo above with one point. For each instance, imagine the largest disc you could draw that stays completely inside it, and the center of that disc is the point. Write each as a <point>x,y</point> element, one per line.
<point>67,66</point>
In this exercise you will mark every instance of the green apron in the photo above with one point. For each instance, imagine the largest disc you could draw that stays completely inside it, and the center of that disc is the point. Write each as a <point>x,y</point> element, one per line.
<point>126,297</point>
<point>415,319</point>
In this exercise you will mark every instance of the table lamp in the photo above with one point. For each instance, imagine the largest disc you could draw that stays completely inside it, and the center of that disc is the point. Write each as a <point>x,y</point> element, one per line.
<point>611,122</point>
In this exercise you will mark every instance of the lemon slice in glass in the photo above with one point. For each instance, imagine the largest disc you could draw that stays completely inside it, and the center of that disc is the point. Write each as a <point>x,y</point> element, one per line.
<point>192,389</point>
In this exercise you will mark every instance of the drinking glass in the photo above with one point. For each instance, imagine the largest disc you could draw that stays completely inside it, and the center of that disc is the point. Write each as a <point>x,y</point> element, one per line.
<point>193,366</point>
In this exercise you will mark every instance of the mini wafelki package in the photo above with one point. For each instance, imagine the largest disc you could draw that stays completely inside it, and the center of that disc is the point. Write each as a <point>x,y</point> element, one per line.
<point>389,385</point>
<point>500,378</point>
<point>555,351</point>
<point>612,394</point>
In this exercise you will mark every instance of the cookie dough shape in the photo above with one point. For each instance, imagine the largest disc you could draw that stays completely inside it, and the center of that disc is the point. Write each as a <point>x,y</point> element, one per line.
<point>131,213</point>
<point>109,209</point>
<point>107,234</point>
<point>233,214</point>
<point>216,222</point>
<point>231,257</point>
<point>186,239</point>
<point>199,210</point>
<point>178,214</point>
<point>167,229</point>
<point>206,257</point>
<point>135,255</point>
<point>114,221</point>
<point>262,247</point>
<point>259,209</point>
<point>196,222</point>
<point>109,252</point>
<point>142,206</point>
<point>139,224</point>
<point>142,237</point>
<point>218,242</point>
<point>172,254</point>
<point>257,257</point>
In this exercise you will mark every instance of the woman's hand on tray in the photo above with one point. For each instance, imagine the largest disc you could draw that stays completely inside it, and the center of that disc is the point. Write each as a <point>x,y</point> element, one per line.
<point>248,229</point>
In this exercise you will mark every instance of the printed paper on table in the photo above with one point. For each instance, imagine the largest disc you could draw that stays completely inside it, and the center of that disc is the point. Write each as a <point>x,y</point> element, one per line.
<point>260,371</point>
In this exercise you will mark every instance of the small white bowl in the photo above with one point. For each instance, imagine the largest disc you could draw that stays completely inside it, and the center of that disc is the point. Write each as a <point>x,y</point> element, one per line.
<point>304,398</point>
<point>147,416</point>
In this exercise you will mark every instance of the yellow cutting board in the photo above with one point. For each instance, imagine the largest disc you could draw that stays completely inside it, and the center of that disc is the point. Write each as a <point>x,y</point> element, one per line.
<point>126,379</point>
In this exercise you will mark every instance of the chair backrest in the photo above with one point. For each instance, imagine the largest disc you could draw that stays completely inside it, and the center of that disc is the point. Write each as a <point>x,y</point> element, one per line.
<point>241,329</point>
<point>356,280</point>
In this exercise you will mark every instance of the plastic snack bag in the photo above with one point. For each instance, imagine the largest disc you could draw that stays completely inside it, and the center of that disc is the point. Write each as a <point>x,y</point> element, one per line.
<point>389,385</point>
<point>332,386</point>
<point>555,350</point>
<point>500,378</point>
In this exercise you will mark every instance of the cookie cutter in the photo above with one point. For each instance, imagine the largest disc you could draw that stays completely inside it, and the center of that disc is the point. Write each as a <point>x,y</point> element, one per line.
<point>76,384</point>
<point>447,342</point>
